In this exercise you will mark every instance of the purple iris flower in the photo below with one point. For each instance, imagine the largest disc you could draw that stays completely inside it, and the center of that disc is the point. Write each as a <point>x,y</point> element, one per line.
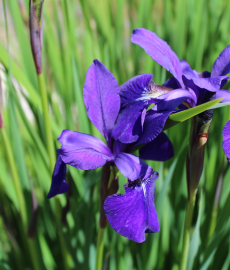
<point>198,84</point>
<point>83,151</point>
<point>203,86</point>
<point>133,214</point>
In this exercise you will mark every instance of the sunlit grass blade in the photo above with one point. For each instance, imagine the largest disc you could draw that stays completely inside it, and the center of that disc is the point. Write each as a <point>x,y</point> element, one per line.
<point>179,117</point>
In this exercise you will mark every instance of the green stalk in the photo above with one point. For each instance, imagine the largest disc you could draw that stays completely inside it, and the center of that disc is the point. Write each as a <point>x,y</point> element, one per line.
<point>22,205</point>
<point>46,115</point>
<point>186,236</point>
<point>100,248</point>
<point>13,169</point>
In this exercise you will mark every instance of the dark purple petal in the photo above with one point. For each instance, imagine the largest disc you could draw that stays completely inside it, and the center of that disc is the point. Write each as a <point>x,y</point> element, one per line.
<point>118,147</point>
<point>226,140</point>
<point>136,88</point>
<point>132,167</point>
<point>101,98</point>
<point>83,151</point>
<point>133,214</point>
<point>210,84</point>
<point>173,99</point>
<point>159,50</point>
<point>171,82</point>
<point>160,149</point>
<point>222,64</point>
<point>223,94</point>
<point>154,124</point>
<point>58,185</point>
<point>186,69</point>
<point>128,126</point>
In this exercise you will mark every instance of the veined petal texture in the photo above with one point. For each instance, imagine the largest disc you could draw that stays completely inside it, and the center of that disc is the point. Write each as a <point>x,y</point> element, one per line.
<point>58,185</point>
<point>133,214</point>
<point>83,151</point>
<point>222,64</point>
<point>136,88</point>
<point>159,50</point>
<point>101,98</point>
<point>132,167</point>
<point>226,140</point>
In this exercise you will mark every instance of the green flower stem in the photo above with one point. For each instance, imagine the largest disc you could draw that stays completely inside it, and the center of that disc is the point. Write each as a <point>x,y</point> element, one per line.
<point>15,177</point>
<point>46,116</point>
<point>100,248</point>
<point>21,200</point>
<point>186,236</point>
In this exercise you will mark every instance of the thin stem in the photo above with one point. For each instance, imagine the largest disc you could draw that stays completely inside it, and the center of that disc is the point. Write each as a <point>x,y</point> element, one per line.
<point>46,116</point>
<point>100,248</point>
<point>186,236</point>
<point>13,169</point>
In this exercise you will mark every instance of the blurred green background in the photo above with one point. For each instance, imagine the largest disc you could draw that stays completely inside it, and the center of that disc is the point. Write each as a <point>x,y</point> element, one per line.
<point>37,233</point>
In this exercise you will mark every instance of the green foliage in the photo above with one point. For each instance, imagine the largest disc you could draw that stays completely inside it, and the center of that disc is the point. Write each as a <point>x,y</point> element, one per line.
<point>65,229</point>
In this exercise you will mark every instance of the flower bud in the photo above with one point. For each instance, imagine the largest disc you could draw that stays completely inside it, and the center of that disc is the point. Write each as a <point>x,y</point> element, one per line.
<point>36,32</point>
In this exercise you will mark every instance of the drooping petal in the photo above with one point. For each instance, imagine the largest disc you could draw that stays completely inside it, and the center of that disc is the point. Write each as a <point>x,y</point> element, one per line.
<point>223,94</point>
<point>83,151</point>
<point>173,99</point>
<point>210,84</point>
<point>159,50</point>
<point>160,149</point>
<point>221,66</point>
<point>58,185</point>
<point>132,167</point>
<point>154,124</point>
<point>133,214</point>
<point>226,140</point>
<point>128,126</point>
<point>101,98</point>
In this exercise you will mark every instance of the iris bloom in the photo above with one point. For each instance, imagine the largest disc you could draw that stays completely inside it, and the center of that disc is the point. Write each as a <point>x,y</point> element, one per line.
<point>203,86</point>
<point>83,151</point>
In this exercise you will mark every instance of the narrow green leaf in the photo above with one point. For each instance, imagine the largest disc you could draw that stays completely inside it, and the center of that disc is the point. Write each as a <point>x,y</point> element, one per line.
<point>220,105</point>
<point>179,117</point>
<point>195,241</point>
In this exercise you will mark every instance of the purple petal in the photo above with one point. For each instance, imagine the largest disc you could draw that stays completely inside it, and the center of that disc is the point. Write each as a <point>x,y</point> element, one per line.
<point>83,151</point>
<point>160,149</point>
<point>58,185</point>
<point>159,50</point>
<point>226,140</point>
<point>135,88</point>
<point>132,167</point>
<point>101,98</point>
<point>223,94</point>
<point>154,124</point>
<point>173,99</point>
<point>133,214</point>
<point>210,84</point>
<point>171,82</point>
<point>186,69</point>
<point>128,126</point>
<point>222,64</point>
